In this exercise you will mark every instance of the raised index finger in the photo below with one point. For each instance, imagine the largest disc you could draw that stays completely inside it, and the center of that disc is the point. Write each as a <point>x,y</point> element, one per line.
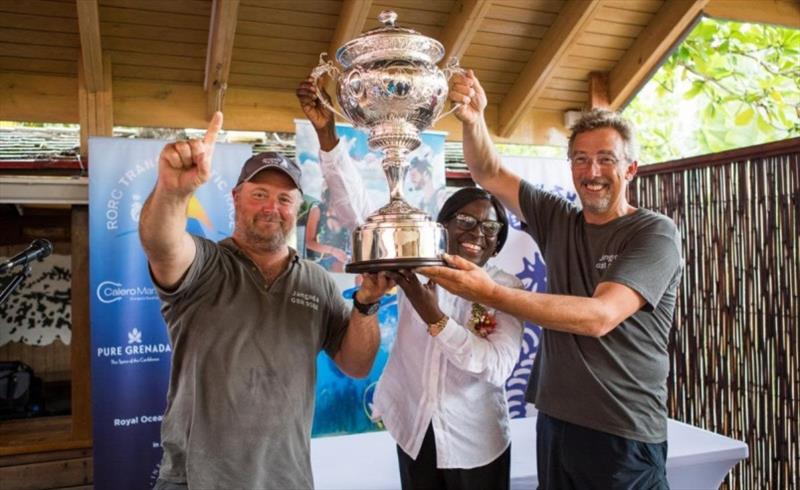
<point>213,128</point>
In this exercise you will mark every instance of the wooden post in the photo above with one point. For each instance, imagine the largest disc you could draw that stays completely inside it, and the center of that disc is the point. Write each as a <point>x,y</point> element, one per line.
<point>80,364</point>
<point>598,90</point>
<point>95,109</point>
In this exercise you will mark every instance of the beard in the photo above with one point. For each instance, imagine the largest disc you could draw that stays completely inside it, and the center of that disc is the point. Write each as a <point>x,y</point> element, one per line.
<point>598,205</point>
<point>594,203</point>
<point>260,239</point>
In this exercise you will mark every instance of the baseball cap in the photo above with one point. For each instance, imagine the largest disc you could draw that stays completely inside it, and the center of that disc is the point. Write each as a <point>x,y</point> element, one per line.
<point>270,160</point>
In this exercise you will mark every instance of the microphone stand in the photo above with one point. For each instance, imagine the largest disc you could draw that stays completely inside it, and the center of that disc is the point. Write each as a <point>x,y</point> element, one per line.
<point>15,282</point>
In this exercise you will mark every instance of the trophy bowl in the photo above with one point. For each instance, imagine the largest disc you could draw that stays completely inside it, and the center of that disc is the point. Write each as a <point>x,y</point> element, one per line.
<point>391,87</point>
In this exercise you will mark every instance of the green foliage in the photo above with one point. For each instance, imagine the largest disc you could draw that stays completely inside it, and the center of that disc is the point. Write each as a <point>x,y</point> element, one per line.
<point>728,85</point>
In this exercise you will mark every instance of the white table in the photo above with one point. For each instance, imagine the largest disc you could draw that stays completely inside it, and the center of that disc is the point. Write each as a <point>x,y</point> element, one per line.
<point>696,458</point>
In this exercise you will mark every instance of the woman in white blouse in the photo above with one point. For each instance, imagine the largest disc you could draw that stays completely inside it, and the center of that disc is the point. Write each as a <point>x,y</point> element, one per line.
<point>442,393</point>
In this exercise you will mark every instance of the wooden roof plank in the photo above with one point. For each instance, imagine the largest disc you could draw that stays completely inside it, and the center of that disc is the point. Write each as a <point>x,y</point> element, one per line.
<point>537,72</point>
<point>328,7</point>
<point>554,6</point>
<point>513,28</point>
<point>351,22</point>
<point>120,15</point>
<point>201,7</point>
<point>157,47</point>
<point>33,51</point>
<point>524,15</point>
<point>652,45</point>
<point>461,27</point>
<point>91,47</point>
<point>287,17</point>
<point>778,12</point>
<point>39,66</point>
<point>491,39</point>
<point>134,33</point>
<point>221,33</point>
<point>41,8</point>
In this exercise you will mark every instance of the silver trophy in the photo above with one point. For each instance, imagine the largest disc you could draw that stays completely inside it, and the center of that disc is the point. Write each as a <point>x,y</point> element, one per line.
<point>391,87</point>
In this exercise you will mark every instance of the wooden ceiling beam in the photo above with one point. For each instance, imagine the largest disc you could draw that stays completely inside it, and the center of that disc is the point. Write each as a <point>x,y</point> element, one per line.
<point>550,52</point>
<point>598,90</point>
<point>779,12</point>
<point>91,47</point>
<point>669,25</point>
<point>461,27</point>
<point>221,33</point>
<point>351,23</point>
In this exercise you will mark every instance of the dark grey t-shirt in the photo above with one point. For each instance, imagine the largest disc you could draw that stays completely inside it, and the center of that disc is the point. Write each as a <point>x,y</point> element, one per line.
<point>241,393</point>
<point>616,383</point>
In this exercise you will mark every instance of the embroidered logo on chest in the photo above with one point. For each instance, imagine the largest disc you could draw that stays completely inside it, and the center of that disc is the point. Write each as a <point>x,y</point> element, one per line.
<point>306,300</point>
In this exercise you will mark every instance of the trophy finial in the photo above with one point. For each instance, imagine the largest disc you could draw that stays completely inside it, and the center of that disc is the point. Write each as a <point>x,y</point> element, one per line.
<point>387,17</point>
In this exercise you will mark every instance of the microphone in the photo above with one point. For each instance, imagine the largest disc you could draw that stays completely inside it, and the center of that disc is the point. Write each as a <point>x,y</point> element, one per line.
<point>38,250</point>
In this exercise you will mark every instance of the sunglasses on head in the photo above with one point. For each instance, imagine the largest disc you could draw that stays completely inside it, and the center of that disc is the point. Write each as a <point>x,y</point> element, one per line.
<point>489,227</point>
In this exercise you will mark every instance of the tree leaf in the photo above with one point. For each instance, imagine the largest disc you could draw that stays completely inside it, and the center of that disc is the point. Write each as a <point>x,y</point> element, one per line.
<point>744,116</point>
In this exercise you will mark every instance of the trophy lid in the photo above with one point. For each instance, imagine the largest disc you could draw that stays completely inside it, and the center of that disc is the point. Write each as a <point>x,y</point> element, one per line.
<point>389,43</point>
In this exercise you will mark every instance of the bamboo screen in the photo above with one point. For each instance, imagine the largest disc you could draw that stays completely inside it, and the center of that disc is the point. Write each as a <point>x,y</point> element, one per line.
<point>735,348</point>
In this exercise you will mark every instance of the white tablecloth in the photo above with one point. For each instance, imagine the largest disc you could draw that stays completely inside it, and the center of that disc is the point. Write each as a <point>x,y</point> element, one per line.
<point>696,458</point>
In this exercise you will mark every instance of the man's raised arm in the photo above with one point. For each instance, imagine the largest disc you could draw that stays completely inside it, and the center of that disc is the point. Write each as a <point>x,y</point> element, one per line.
<point>183,166</point>
<point>480,155</point>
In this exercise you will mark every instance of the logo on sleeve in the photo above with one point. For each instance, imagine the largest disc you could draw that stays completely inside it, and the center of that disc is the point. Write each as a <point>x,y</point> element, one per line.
<point>605,261</point>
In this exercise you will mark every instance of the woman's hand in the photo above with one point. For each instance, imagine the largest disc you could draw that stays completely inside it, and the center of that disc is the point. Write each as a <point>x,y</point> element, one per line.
<point>423,297</point>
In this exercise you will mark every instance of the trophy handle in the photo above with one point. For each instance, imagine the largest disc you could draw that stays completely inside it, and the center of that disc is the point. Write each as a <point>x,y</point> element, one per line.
<point>326,67</point>
<point>451,69</point>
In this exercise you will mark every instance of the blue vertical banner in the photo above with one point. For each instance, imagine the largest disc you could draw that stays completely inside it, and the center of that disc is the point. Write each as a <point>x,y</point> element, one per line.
<point>130,348</point>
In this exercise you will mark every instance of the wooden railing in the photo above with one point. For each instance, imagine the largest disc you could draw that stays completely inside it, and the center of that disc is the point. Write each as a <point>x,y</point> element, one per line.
<point>735,348</point>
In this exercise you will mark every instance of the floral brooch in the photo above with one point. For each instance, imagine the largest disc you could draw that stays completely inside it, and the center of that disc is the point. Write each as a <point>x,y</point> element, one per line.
<point>481,321</point>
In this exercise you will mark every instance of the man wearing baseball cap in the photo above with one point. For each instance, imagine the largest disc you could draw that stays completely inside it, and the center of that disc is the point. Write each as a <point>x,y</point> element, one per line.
<point>246,318</point>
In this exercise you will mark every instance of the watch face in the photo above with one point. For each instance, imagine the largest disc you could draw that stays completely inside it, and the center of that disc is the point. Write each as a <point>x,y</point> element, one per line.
<point>373,308</point>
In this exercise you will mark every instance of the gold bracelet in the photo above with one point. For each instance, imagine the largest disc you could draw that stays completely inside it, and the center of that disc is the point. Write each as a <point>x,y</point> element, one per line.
<point>437,326</point>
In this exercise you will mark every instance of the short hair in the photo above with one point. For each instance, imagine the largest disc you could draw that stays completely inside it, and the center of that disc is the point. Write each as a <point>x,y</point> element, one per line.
<point>466,195</point>
<point>604,118</point>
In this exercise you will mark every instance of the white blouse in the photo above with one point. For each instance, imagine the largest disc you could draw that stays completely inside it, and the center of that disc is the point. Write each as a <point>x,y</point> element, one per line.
<point>456,380</point>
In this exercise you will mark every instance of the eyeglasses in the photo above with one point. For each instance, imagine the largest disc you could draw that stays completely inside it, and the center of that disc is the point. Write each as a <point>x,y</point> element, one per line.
<point>604,160</point>
<point>489,227</point>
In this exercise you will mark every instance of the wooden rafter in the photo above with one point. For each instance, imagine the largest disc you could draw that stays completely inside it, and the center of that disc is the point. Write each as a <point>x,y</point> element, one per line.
<point>351,23</point>
<point>669,24</point>
<point>221,33</point>
<point>779,12</point>
<point>598,90</point>
<point>534,78</point>
<point>462,25</point>
<point>91,47</point>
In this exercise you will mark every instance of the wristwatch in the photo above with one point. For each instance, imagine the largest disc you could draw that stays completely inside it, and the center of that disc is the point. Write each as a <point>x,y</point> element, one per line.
<point>366,309</point>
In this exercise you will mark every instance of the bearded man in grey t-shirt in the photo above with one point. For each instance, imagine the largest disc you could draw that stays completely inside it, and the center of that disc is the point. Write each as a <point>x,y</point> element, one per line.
<point>246,318</point>
<point>599,377</point>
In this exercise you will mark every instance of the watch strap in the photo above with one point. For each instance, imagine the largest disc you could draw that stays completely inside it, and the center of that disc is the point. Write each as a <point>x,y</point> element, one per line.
<point>365,309</point>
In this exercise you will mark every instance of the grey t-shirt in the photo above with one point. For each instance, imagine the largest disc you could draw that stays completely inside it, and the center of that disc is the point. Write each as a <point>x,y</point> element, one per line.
<point>241,393</point>
<point>616,383</point>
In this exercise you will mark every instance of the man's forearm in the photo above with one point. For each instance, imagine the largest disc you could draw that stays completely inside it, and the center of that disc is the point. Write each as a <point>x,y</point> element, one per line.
<point>359,346</point>
<point>571,314</point>
<point>162,225</point>
<point>479,152</point>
